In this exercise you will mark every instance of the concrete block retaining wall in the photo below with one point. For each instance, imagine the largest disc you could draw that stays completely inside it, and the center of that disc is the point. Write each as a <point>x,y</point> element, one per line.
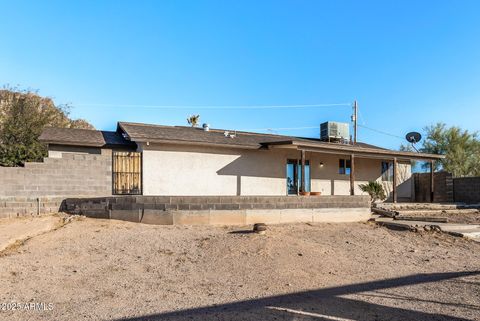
<point>448,189</point>
<point>467,189</point>
<point>41,187</point>
<point>443,187</point>
<point>223,210</point>
<point>20,206</point>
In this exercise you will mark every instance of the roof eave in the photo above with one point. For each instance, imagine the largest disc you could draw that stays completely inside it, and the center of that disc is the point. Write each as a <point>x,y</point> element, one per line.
<point>347,149</point>
<point>64,143</point>
<point>187,142</point>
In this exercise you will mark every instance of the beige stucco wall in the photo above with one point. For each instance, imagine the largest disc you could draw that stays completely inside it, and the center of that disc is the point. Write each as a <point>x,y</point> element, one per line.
<point>170,170</point>
<point>189,170</point>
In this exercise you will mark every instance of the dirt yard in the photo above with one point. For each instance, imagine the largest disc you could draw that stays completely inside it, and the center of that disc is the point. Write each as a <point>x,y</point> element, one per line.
<point>110,270</point>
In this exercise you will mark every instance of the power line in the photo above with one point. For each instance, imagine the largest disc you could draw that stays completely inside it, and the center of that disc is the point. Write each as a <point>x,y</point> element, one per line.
<point>381,132</point>
<point>212,107</point>
<point>314,127</point>
<point>278,129</point>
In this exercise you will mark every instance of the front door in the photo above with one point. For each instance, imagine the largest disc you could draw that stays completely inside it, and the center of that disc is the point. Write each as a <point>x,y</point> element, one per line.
<point>294,176</point>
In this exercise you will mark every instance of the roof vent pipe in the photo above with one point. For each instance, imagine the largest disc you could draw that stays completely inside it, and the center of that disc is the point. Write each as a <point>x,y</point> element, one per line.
<point>206,127</point>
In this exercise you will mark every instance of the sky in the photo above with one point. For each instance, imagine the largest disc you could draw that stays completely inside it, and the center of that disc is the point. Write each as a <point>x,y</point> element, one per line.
<point>409,64</point>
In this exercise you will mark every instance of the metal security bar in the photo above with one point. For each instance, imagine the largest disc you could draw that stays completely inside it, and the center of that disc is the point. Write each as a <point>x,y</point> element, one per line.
<point>127,173</point>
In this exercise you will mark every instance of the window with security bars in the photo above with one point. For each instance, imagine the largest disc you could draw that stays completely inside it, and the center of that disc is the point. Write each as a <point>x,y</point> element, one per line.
<point>127,173</point>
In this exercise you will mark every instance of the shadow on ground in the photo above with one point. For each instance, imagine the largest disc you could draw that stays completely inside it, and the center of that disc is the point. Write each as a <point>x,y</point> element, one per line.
<point>324,304</point>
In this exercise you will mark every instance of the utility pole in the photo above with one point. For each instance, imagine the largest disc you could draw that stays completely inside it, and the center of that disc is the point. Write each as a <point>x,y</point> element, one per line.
<point>354,120</point>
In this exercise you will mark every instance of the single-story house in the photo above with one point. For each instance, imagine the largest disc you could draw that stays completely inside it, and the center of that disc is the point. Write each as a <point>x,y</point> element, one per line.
<point>185,161</point>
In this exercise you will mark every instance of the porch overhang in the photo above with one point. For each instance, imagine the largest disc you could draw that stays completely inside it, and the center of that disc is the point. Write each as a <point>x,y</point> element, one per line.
<point>344,149</point>
<point>354,152</point>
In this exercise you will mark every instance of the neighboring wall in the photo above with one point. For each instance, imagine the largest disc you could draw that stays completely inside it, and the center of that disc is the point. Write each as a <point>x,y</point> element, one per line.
<point>443,187</point>
<point>447,188</point>
<point>38,188</point>
<point>56,151</point>
<point>187,170</point>
<point>467,190</point>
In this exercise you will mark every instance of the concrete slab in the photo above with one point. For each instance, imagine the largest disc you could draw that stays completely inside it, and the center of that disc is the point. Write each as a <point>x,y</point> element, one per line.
<point>158,217</point>
<point>341,215</point>
<point>298,215</point>
<point>458,227</point>
<point>237,217</point>
<point>126,215</point>
<point>262,216</point>
<point>393,222</point>
<point>191,217</point>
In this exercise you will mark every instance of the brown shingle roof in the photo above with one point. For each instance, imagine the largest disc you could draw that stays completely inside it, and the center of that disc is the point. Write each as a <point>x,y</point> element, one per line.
<point>158,133</point>
<point>83,137</point>
<point>145,132</point>
<point>139,132</point>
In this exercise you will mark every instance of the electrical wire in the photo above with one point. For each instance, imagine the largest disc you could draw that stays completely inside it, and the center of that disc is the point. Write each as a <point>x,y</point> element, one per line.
<point>278,129</point>
<point>381,132</point>
<point>247,107</point>
<point>212,107</point>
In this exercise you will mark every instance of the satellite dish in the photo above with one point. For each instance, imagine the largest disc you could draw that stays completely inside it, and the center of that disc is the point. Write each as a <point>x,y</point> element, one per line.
<point>413,137</point>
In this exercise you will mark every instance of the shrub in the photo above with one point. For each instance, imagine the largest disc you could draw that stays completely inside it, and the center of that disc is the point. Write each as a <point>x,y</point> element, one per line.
<point>374,189</point>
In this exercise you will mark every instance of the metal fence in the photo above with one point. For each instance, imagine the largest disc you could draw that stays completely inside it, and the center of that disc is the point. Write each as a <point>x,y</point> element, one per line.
<point>127,173</point>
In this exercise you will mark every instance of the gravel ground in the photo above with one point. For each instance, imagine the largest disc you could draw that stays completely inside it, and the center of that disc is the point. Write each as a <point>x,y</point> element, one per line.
<point>110,270</point>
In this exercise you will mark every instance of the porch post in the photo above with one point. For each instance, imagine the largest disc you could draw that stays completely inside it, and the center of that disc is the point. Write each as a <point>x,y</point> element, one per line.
<point>432,183</point>
<point>302,160</point>
<point>352,174</point>
<point>394,183</point>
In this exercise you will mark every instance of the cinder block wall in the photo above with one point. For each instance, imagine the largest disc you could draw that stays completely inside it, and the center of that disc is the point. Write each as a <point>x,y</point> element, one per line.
<point>223,210</point>
<point>467,189</point>
<point>443,187</point>
<point>39,188</point>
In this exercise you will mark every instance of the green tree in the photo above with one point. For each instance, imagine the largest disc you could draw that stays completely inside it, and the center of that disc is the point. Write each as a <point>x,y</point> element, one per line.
<point>23,116</point>
<point>461,147</point>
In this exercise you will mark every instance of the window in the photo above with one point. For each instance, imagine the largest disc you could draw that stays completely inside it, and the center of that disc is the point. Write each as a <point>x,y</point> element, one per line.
<point>387,171</point>
<point>294,176</point>
<point>344,167</point>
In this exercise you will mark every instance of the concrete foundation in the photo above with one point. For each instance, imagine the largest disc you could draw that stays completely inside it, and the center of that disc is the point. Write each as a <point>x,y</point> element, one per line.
<point>223,210</point>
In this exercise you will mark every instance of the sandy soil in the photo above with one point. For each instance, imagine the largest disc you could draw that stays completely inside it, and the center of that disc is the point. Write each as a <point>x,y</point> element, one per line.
<point>14,231</point>
<point>111,270</point>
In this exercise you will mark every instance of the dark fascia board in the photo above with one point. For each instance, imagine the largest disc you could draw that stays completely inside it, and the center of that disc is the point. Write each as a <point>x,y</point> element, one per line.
<point>347,149</point>
<point>82,144</point>
<point>194,143</point>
